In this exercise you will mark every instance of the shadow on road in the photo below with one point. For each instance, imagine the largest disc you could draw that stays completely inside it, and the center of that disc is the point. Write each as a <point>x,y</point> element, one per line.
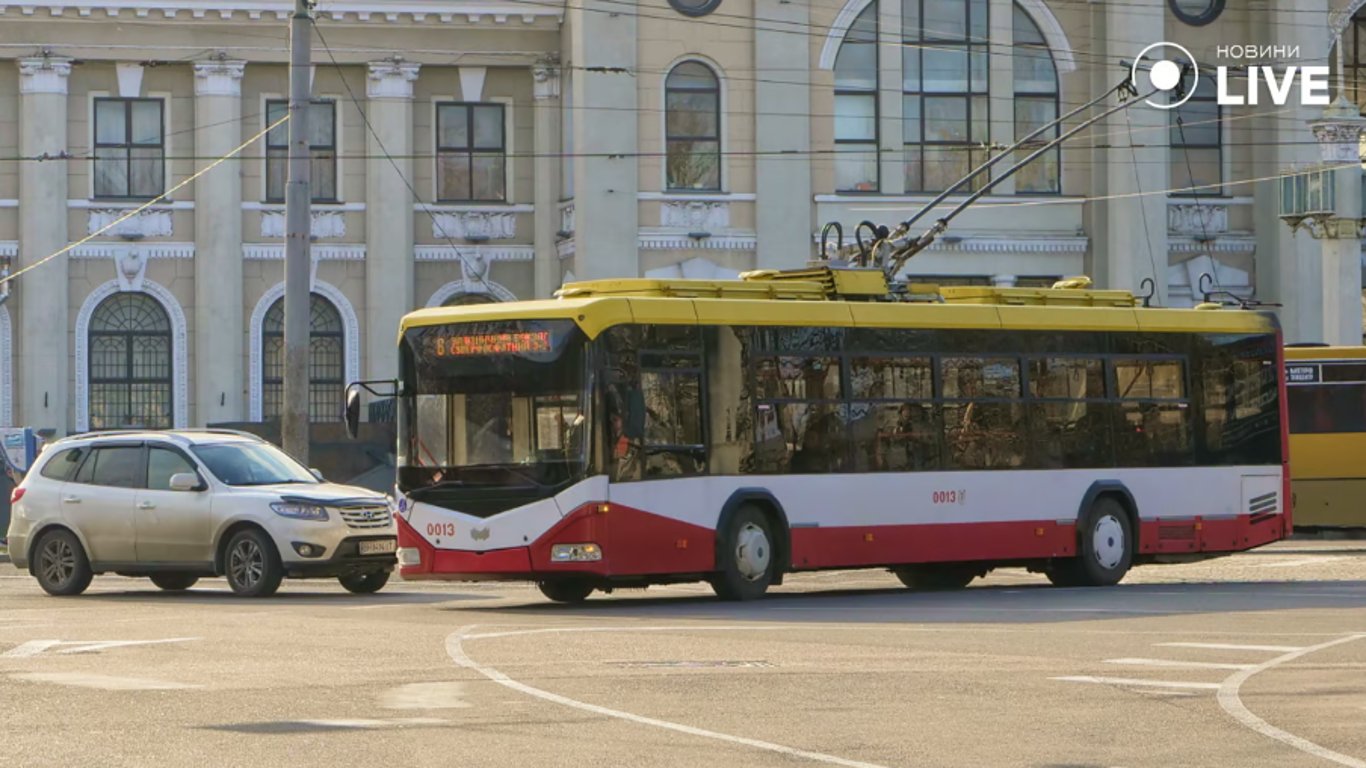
<point>989,604</point>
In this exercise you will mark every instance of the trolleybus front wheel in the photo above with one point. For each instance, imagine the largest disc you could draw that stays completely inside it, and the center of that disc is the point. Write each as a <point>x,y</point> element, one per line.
<point>566,590</point>
<point>1105,548</point>
<point>747,560</point>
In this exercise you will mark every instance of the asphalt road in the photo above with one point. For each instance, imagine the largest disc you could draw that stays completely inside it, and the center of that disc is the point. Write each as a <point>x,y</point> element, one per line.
<point>1252,660</point>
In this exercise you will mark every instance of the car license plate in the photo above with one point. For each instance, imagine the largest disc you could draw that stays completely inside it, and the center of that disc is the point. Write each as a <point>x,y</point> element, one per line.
<point>381,547</point>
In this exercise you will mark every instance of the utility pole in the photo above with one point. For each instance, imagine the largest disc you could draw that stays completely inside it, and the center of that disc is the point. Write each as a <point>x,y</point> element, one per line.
<point>298,236</point>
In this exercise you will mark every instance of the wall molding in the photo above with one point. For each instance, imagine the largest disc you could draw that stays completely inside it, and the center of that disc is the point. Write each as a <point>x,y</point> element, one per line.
<point>675,241</point>
<point>487,252</point>
<point>321,252</point>
<point>430,12</point>
<point>351,340</point>
<point>1002,244</point>
<point>120,205</point>
<point>113,250</point>
<point>180,389</point>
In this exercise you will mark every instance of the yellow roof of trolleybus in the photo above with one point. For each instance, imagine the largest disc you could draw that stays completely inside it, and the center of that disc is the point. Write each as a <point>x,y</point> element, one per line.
<point>846,298</point>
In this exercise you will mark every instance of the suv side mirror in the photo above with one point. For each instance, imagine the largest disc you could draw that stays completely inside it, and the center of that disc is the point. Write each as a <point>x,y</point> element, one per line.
<point>185,481</point>
<point>351,414</point>
<point>316,473</point>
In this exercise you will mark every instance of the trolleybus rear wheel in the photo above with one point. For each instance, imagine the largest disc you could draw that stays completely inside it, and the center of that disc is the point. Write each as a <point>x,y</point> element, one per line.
<point>747,560</point>
<point>1105,548</point>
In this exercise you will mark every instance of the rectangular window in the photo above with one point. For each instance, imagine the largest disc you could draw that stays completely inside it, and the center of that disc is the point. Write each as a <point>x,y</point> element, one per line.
<point>322,145</point>
<point>1067,378</point>
<point>1154,425</point>
<point>984,421</point>
<point>130,148</point>
<point>471,152</point>
<point>944,84</point>
<point>1197,145</point>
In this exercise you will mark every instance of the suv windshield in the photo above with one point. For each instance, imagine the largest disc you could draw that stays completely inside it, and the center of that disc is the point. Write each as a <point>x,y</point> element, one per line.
<point>252,464</point>
<point>492,404</point>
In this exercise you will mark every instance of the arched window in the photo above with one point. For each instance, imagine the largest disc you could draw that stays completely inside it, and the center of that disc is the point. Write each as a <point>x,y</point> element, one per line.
<point>130,363</point>
<point>1036,104</point>
<point>856,136</point>
<point>692,127</point>
<point>945,95</point>
<point>326,369</point>
<point>944,72</point>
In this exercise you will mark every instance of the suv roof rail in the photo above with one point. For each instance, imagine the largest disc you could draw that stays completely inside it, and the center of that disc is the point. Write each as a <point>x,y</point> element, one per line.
<point>165,432</point>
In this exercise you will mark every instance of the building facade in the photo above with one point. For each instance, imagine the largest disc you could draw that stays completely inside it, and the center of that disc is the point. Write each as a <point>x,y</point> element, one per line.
<point>488,151</point>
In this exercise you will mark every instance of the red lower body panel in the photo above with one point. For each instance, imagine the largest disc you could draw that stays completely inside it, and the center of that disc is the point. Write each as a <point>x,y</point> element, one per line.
<point>638,544</point>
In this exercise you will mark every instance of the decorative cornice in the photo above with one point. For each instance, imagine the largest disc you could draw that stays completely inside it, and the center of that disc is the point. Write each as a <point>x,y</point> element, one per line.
<point>425,12</point>
<point>673,241</point>
<point>169,205</point>
<point>391,79</point>
<point>102,250</point>
<point>991,244</point>
<point>487,252</point>
<point>1235,243</point>
<point>331,252</point>
<point>218,77</point>
<point>44,74</point>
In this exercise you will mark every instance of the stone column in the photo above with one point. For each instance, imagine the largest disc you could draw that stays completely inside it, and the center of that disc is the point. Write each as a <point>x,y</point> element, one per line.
<point>219,329</point>
<point>606,172</point>
<point>1330,292</point>
<point>42,334</point>
<point>782,123</point>
<point>546,91</point>
<point>1128,229</point>
<point>1286,264</point>
<point>389,216</point>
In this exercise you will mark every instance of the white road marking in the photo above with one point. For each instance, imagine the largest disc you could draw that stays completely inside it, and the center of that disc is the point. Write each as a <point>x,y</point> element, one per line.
<point>37,647</point>
<point>1136,682</point>
<point>457,653</point>
<point>425,696</point>
<point>1233,647</point>
<point>101,682</point>
<point>1178,663</point>
<point>1230,700</point>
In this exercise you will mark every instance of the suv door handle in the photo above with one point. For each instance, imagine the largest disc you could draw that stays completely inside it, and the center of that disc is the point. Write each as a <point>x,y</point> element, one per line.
<point>146,505</point>
<point>72,500</point>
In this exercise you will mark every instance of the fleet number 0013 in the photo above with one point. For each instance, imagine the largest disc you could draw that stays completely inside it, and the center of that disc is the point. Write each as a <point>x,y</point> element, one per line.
<point>440,529</point>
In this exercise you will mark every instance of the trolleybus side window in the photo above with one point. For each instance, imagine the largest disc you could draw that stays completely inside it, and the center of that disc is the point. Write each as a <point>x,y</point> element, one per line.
<point>1069,417</point>
<point>1239,398</point>
<point>983,413</point>
<point>895,425</point>
<point>655,402</point>
<point>1154,426</point>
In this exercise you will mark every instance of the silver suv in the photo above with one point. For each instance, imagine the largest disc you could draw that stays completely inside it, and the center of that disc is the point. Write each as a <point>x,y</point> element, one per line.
<point>177,506</point>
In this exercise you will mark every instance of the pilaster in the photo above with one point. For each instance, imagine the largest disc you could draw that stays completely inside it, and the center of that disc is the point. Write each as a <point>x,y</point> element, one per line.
<point>545,75</point>
<point>219,376</point>
<point>389,217</point>
<point>42,296</point>
<point>782,124</point>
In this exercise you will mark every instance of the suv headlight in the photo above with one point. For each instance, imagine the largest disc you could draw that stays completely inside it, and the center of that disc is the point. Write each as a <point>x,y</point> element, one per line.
<point>299,511</point>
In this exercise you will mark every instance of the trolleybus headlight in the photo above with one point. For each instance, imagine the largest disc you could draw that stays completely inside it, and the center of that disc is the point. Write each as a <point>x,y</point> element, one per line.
<point>575,553</point>
<point>409,556</point>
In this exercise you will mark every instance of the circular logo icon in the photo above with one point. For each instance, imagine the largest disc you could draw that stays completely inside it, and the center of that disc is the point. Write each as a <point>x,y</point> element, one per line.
<point>1164,72</point>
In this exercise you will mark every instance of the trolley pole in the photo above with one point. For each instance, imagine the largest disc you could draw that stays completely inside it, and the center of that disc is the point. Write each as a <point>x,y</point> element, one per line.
<point>298,235</point>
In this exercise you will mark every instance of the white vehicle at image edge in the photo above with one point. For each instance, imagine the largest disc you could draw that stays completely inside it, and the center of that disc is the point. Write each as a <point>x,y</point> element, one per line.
<point>179,505</point>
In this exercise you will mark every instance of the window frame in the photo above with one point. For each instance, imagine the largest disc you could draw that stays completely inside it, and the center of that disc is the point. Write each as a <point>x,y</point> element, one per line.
<point>1019,97</point>
<point>971,46</point>
<point>470,150</point>
<point>268,382</point>
<point>129,380</point>
<point>127,145</point>
<point>875,94</point>
<point>716,124</point>
<point>313,150</point>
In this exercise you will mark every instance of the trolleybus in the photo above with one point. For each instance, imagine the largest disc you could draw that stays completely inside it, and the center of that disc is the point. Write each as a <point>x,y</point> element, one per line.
<point>636,432</point>
<point>1326,388</point>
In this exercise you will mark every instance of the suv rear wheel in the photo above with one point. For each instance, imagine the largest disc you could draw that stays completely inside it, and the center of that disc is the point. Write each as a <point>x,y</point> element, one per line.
<point>60,564</point>
<point>252,564</point>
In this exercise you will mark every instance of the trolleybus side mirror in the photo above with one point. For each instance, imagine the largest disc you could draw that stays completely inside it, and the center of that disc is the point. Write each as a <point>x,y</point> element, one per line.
<point>351,415</point>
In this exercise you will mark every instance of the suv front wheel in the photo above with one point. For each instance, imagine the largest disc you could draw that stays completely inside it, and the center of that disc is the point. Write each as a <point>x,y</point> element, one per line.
<point>60,564</point>
<point>252,565</point>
